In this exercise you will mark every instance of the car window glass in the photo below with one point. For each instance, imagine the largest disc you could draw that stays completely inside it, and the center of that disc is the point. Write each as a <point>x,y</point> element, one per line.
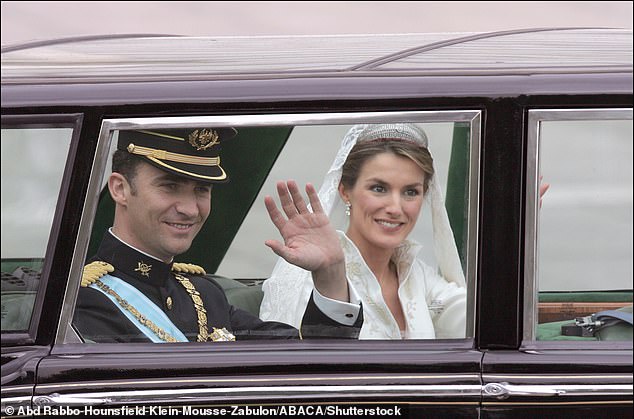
<point>585,227</point>
<point>306,158</point>
<point>32,167</point>
<point>230,246</point>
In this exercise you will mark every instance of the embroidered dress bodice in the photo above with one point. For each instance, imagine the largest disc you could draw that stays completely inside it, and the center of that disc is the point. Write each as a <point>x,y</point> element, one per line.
<point>433,307</point>
<point>422,293</point>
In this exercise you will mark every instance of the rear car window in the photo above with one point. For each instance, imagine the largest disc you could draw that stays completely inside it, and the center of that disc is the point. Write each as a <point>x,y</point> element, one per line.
<point>585,227</point>
<point>33,162</point>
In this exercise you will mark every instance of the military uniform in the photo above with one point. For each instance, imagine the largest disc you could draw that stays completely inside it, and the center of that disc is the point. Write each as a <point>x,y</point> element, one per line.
<point>99,319</point>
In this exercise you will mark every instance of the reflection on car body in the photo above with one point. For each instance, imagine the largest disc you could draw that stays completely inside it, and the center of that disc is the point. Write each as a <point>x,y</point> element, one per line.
<point>501,109</point>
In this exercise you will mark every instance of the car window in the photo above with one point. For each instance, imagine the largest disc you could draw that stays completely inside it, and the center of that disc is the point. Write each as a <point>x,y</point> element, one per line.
<point>33,161</point>
<point>449,145</point>
<point>230,247</point>
<point>584,237</point>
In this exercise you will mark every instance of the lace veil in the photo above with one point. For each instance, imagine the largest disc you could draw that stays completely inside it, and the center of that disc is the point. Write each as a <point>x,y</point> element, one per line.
<point>287,291</point>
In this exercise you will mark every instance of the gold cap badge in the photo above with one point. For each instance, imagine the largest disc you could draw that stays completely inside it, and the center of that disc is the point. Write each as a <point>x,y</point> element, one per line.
<point>202,139</point>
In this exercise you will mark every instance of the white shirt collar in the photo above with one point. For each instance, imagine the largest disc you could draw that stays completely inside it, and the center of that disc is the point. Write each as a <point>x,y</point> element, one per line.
<point>138,250</point>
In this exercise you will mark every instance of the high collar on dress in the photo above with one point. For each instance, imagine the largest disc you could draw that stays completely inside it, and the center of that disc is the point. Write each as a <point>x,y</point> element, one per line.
<point>403,255</point>
<point>132,262</point>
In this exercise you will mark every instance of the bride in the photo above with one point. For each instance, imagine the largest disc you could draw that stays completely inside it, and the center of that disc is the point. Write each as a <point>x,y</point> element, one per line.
<point>380,178</point>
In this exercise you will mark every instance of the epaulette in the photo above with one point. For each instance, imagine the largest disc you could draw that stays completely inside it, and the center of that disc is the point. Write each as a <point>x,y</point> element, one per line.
<point>188,268</point>
<point>95,270</point>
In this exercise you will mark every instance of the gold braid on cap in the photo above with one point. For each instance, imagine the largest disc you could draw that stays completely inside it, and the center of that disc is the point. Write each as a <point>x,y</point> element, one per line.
<point>93,271</point>
<point>160,156</point>
<point>175,157</point>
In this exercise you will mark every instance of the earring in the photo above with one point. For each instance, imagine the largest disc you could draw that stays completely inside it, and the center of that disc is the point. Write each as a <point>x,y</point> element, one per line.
<point>348,206</point>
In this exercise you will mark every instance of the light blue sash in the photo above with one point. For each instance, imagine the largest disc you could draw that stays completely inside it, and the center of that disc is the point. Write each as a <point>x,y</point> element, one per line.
<point>147,308</point>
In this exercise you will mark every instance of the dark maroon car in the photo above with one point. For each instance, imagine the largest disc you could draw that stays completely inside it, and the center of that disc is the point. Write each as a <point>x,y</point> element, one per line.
<point>505,113</point>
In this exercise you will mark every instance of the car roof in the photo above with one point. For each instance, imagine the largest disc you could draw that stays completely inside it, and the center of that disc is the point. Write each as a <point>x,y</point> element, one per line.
<point>154,70</point>
<point>177,58</point>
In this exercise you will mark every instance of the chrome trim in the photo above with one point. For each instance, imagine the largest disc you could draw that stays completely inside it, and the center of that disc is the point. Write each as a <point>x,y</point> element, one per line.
<point>505,390</point>
<point>108,126</point>
<point>257,393</point>
<point>551,403</point>
<point>267,379</point>
<point>473,220</point>
<point>530,235</point>
<point>531,238</point>
<point>85,227</point>
<point>544,378</point>
<point>290,119</point>
<point>499,391</point>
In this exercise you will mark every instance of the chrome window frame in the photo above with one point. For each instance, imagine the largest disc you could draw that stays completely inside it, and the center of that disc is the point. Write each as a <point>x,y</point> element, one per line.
<point>108,126</point>
<point>531,238</point>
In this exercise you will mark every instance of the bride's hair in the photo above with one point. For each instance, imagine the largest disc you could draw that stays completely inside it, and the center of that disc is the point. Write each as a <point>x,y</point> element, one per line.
<point>363,151</point>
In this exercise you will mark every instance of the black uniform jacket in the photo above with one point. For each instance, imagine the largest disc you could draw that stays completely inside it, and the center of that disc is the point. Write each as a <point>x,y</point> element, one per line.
<point>98,319</point>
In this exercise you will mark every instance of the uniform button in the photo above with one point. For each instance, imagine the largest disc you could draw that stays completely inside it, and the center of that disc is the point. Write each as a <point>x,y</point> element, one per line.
<point>169,303</point>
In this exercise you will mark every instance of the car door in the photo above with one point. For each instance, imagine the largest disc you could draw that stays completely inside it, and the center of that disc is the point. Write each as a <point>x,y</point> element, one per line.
<point>577,262</point>
<point>438,377</point>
